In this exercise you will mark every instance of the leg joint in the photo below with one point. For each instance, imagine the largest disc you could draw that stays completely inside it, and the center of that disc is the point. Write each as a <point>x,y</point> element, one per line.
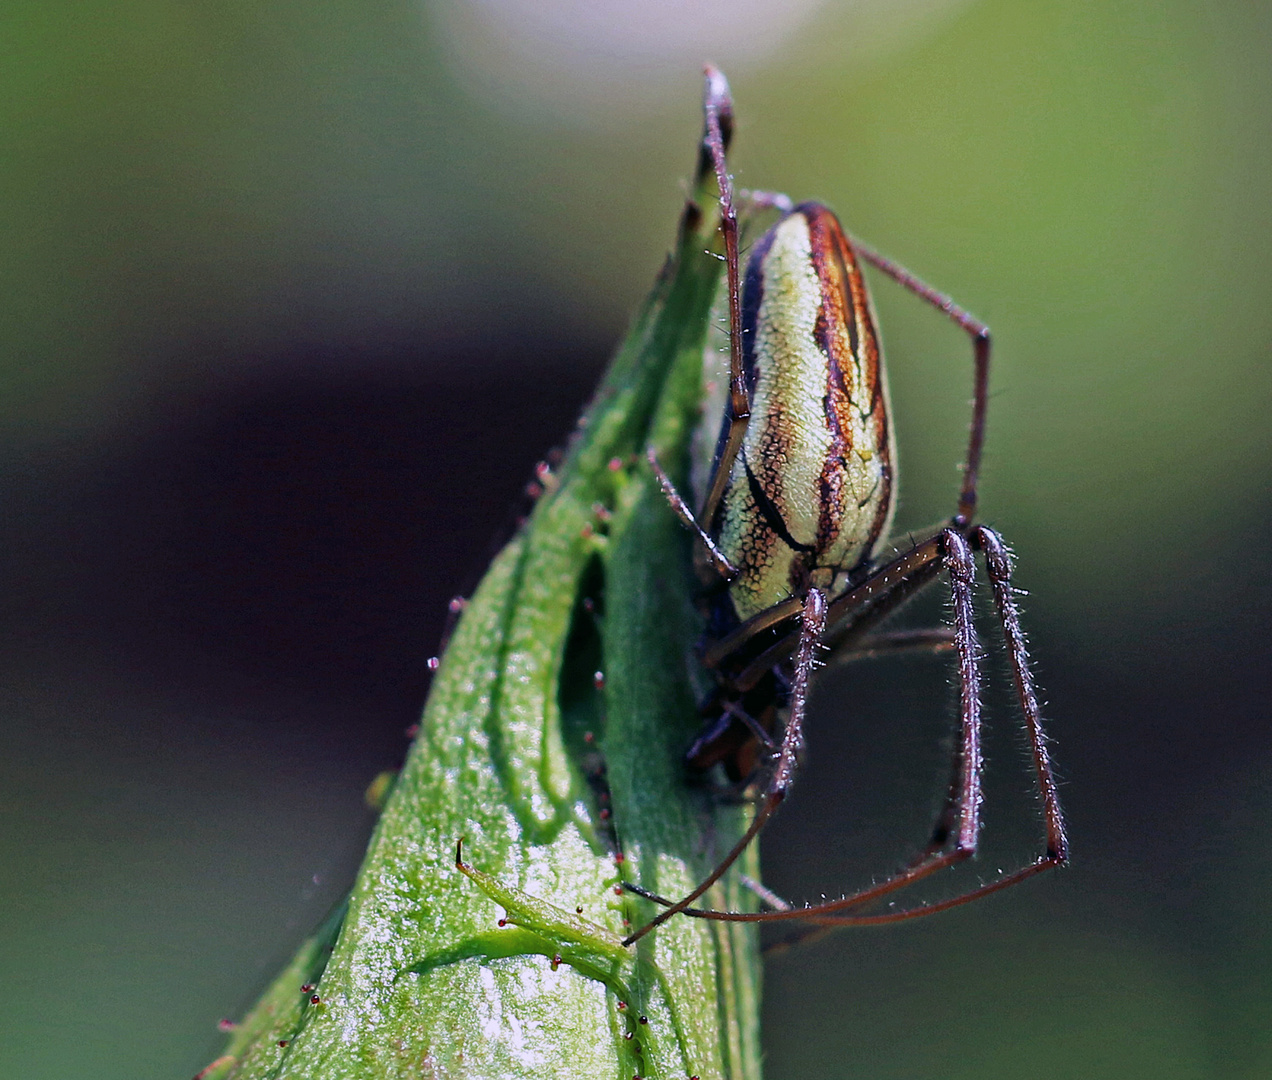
<point>957,555</point>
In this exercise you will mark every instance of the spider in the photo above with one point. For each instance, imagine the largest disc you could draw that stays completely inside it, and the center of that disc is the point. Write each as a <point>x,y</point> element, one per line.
<point>795,515</point>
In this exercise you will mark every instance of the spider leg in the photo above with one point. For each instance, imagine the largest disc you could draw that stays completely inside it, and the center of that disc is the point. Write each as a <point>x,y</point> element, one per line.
<point>1056,852</point>
<point>998,569</point>
<point>753,726</point>
<point>937,639</point>
<point>718,558</point>
<point>762,644</point>
<point>784,770</point>
<point>850,615</point>
<point>959,820</point>
<point>766,895</point>
<point>718,110</point>
<point>979,333</point>
<point>718,129</point>
<point>754,626</point>
<point>766,200</point>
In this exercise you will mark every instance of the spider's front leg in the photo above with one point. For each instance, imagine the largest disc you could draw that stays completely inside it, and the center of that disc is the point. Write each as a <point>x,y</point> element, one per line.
<point>785,766</point>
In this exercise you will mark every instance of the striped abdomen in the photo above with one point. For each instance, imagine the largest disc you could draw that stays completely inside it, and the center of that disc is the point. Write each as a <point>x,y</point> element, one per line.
<point>811,491</point>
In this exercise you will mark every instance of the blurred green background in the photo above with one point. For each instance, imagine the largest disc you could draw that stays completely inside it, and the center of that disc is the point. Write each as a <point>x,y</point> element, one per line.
<point>295,295</point>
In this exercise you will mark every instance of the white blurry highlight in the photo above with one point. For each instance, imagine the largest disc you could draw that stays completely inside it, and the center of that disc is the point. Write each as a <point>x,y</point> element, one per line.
<point>580,59</point>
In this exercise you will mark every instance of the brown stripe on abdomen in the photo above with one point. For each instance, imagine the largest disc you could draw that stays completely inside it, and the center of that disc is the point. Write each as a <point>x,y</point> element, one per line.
<point>847,338</point>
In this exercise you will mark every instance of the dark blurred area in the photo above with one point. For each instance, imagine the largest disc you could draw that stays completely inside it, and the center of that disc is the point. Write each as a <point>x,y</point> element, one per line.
<point>293,301</point>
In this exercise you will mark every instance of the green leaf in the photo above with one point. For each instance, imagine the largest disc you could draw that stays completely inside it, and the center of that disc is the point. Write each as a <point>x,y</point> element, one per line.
<point>521,753</point>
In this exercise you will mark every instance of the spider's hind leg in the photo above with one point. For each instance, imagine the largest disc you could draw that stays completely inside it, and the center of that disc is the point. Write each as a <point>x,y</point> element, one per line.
<point>998,570</point>
<point>956,833</point>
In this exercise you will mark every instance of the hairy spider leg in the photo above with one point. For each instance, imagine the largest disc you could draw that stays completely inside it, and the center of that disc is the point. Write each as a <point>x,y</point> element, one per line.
<point>960,817</point>
<point>786,763</point>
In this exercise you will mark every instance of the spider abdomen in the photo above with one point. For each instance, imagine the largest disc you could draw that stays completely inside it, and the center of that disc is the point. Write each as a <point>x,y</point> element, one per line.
<point>811,491</point>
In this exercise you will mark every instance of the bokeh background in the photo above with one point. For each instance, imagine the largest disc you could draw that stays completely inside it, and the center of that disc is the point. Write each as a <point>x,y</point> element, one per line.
<point>295,295</point>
